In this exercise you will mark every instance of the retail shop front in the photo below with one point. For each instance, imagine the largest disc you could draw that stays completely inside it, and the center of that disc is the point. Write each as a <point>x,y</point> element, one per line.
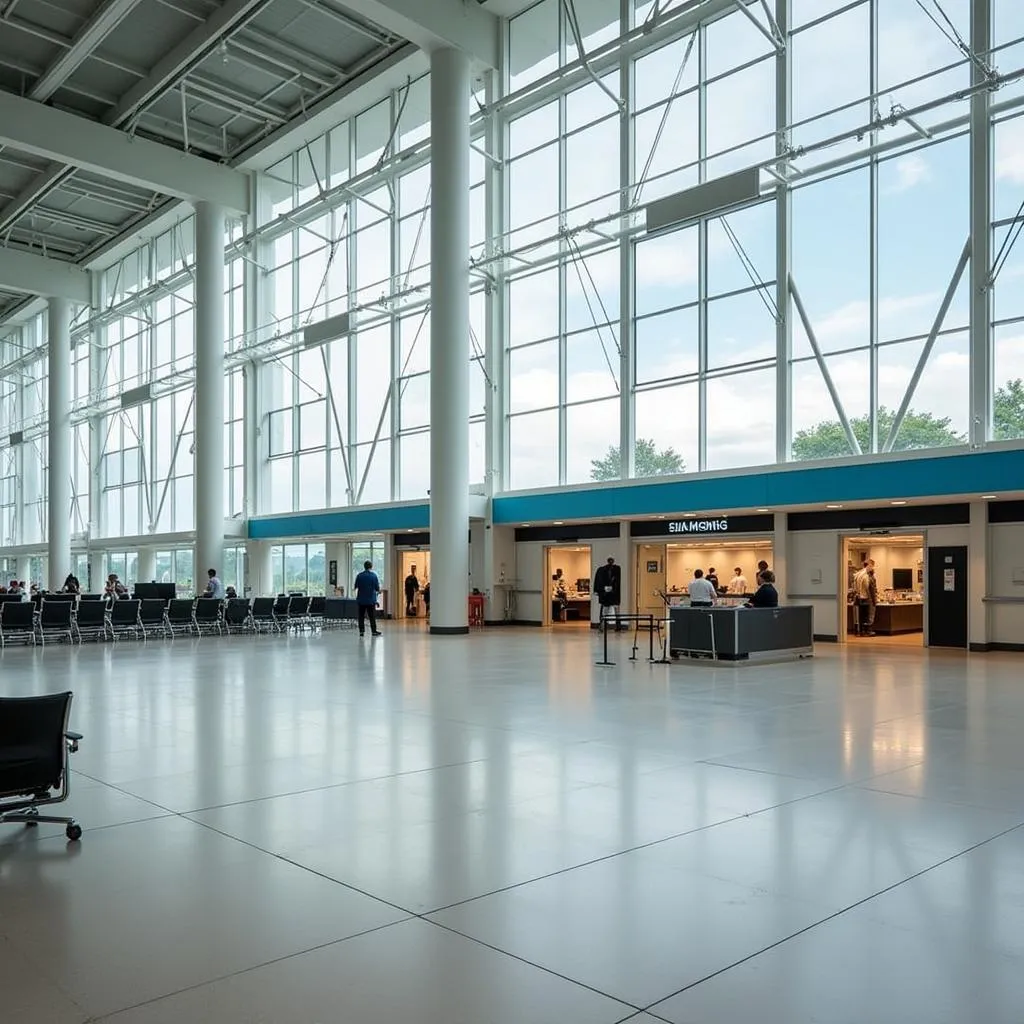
<point>668,551</point>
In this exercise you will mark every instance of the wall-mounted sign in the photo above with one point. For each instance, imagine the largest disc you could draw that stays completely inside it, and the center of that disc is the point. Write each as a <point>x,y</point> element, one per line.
<point>332,572</point>
<point>652,567</point>
<point>949,579</point>
<point>700,526</point>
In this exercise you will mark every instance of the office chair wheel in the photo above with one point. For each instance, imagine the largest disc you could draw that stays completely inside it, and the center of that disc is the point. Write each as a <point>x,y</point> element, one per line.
<point>73,832</point>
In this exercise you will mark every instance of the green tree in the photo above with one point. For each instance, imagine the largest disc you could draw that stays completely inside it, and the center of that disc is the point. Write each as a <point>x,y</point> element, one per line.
<point>648,461</point>
<point>828,440</point>
<point>1008,411</point>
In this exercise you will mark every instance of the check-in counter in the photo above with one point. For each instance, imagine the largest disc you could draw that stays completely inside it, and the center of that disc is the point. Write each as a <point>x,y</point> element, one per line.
<point>742,634</point>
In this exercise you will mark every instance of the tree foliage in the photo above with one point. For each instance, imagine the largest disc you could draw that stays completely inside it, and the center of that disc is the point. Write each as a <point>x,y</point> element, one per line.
<point>828,440</point>
<point>648,461</point>
<point>1008,411</point>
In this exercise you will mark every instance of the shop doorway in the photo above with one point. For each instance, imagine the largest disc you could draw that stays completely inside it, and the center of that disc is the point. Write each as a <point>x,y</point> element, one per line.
<point>897,620</point>
<point>668,569</point>
<point>416,564</point>
<point>567,578</point>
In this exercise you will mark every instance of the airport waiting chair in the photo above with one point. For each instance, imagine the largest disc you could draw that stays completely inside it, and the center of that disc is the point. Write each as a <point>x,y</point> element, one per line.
<point>262,615</point>
<point>281,606</point>
<point>17,622</point>
<point>151,617</point>
<point>298,613</point>
<point>91,620</point>
<point>316,612</point>
<point>124,620</point>
<point>238,616</point>
<point>206,616</point>
<point>340,612</point>
<point>55,621</point>
<point>35,746</point>
<point>178,618</point>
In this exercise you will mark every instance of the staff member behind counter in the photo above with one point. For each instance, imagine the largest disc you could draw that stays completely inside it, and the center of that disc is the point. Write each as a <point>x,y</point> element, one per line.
<point>702,593</point>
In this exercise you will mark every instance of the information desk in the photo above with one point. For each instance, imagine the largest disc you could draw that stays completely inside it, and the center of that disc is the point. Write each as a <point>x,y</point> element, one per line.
<point>742,634</point>
<point>892,619</point>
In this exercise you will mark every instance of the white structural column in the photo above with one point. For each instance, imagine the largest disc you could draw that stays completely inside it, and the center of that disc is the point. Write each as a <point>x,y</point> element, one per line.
<point>59,425</point>
<point>977,578</point>
<point>146,572</point>
<point>783,236</point>
<point>97,572</point>
<point>780,554</point>
<point>209,403</point>
<point>449,341</point>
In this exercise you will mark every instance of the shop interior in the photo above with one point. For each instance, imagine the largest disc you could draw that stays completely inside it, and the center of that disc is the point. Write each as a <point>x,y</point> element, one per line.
<point>568,580</point>
<point>668,568</point>
<point>899,576</point>
<point>417,563</point>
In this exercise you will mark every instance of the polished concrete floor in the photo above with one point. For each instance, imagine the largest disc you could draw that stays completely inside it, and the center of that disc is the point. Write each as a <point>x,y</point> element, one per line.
<point>329,830</point>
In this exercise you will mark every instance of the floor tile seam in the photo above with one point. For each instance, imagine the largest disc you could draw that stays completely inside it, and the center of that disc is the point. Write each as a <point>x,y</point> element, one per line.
<point>540,967</point>
<point>755,771</point>
<point>832,917</point>
<point>307,869</point>
<point>935,800</point>
<point>622,853</point>
<point>42,968</point>
<point>124,792</point>
<point>311,789</point>
<point>246,970</point>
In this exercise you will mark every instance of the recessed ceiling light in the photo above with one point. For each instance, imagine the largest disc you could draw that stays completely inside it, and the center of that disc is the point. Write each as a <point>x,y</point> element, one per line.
<point>690,515</point>
<point>760,510</point>
<point>833,506</point>
<point>524,524</point>
<point>661,517</point>
<point>558,522</point>
<point>988,497</point>
<point>897,503</point>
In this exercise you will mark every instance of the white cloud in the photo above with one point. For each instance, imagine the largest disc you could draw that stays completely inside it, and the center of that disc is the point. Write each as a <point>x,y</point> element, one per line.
<point>910,170</point>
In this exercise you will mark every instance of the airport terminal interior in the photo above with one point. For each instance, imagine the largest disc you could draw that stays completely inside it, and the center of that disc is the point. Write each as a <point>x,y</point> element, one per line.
<point>511,319</point>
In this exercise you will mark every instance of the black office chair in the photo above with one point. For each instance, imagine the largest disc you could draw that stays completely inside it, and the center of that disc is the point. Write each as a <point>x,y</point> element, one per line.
<point>281,606</point>
<point>34,748</point>
<point>298,613</point>
<point>55,620</point>
<point>91,620</point>
<point>316,611</point>
<point>17,622</point>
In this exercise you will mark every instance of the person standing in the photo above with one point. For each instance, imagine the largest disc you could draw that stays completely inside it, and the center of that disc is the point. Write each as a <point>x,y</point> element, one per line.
<point>215,588</point>
<point>608,587</point>
<point>863,612</point>
<point>762,568</point>
<point>367,587</point>
<point>412,587</point>
<point>738,583</point>
<point>702,594</point>
<point>712,578</point>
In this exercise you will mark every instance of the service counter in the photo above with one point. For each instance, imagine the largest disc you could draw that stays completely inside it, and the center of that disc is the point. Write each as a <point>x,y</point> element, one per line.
<point>893,619</point>
<point>742,634</point>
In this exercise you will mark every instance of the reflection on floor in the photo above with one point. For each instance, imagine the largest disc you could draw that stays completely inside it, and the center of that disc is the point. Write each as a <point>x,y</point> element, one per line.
<point>366,831</point>
<point>899,640</point>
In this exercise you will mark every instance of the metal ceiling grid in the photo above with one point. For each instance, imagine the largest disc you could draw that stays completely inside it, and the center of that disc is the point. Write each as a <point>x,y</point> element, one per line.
<point>209,76</point>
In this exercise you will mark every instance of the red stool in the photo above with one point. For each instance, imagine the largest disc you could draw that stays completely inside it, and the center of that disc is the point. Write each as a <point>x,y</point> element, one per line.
<point>476,610</point>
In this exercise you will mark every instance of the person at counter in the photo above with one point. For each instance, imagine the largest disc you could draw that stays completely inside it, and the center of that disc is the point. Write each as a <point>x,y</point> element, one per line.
<point>712,578</point>
<point>738,584</point>
<point>766,595</point>
<point>865,598</point>
<point>702,594</point>
<point>762,568</point>
<point>608,587</point>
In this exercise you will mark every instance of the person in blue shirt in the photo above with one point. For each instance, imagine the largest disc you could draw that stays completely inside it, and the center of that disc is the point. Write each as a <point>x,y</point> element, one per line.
<point>367,589</point>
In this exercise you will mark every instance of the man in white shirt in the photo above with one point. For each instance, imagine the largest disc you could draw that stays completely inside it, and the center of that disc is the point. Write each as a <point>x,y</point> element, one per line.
<point>702,593</point>
<point>214,588</point>
<point>863,604</point>
<point>738,584</point>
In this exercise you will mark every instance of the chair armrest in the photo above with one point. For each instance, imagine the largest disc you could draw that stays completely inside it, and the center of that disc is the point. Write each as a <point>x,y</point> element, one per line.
<point>72,739</point>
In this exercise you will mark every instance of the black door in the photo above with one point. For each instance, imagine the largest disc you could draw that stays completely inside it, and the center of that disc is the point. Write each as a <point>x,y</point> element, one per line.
<point>947,597</point>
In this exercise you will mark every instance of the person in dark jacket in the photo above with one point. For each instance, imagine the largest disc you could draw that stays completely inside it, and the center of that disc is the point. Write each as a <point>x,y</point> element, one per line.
<point>766,596</point>
<point>412,588</point>
<point>608,587</point>
<point>367,590</point>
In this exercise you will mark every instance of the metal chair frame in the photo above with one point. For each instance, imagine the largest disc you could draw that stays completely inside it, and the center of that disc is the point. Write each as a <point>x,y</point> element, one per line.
<point>55,620</point>
<point>17,619</point>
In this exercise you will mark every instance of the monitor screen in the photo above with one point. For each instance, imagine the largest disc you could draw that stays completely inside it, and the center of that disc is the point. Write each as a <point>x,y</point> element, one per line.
<point>903,579</point>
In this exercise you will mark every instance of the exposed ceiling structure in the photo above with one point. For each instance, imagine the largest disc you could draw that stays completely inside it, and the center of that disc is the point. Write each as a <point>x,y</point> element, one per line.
<point>108,108</point>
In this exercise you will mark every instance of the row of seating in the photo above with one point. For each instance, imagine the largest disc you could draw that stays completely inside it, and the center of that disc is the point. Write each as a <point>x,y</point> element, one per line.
<point>154,617</point>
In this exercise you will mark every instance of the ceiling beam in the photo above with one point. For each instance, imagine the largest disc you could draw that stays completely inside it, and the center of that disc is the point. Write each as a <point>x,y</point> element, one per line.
<point>456,23</point>
<point>30,274</point>
<point>225,19</point>
<point>92,33</point>
<point>56,135</point>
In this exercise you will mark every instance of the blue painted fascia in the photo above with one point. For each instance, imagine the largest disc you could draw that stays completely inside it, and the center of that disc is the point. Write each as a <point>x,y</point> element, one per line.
<point>377,519</point>
<point>936,476</point>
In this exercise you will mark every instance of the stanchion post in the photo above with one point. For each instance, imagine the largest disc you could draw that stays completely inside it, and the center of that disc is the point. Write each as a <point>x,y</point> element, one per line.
<point>604,630</point>
<point>650,628</point>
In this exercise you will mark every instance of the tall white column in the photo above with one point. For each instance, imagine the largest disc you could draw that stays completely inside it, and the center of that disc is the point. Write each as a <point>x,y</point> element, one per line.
<point>977,578</point>
<point>97,572</point>
<point>780,554</point>
<point>259,581</point>
<point>146,572</point>
<point>449,341</point>
<point>209,404</point>
<point>59,441</point>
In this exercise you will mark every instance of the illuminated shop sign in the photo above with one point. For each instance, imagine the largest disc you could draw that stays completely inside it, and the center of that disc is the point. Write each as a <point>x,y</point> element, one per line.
<point>700,526</point>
